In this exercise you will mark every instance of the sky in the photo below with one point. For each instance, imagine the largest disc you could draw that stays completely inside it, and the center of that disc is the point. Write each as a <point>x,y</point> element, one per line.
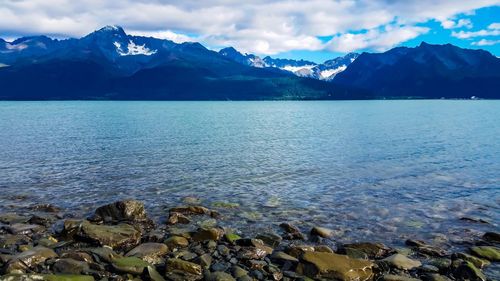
<point>315,30</point>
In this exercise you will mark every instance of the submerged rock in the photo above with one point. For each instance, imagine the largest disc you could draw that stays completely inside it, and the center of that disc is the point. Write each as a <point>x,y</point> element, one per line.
<point>115,236</point>
<point>322,232</point>
<point>372,250</point>
<point>402,262</point>
<point>464,270</point>
<point>492,237</point>
<point>329,265</point>
<point>487,252</point>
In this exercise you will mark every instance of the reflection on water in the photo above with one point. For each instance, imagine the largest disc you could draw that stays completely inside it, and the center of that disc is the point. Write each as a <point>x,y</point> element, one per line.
<point>371,170</point>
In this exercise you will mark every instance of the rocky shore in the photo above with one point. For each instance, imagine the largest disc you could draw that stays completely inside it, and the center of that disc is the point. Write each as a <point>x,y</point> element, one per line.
<point>120,242</point>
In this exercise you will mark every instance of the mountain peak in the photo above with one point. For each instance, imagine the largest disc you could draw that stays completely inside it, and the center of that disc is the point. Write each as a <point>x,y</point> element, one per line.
<point>110,30</point>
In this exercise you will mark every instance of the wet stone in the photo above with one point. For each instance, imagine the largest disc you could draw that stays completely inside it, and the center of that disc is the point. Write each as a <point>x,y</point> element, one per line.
<point>464,270</point>
<point>328,265</point>
<point>218,276</point>
<point>176,242</point>
<point>402,262</point>
<point>487,252</point>
<point>115,236</point>
<point>29,259</point>
<point>478,262</point>
<point>149,252</point>
<point>270,239</point>
<point>176,217</point>
<point>322,232</point>
<point>22,228</point>
<point>132,265</point>
<point>492,237</point>
<point>372,250</point>
<point>183,266</point>
<point>70,266</point>
<point>214,234</point>
<point>392,277</point>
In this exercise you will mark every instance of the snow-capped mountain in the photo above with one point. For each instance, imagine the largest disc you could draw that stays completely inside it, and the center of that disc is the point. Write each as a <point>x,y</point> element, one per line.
<point>303,68</point>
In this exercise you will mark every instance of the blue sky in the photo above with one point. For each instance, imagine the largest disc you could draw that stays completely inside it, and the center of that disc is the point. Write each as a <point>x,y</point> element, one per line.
<point>315,30</point>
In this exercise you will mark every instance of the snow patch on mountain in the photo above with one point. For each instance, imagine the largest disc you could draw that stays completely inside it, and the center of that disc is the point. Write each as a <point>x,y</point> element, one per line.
<point>330,73</point>
<point>134,49</point>
<point>297,68</point>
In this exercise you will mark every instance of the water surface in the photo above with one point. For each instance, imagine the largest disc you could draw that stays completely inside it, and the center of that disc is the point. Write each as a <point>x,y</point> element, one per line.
<point>371,170</point>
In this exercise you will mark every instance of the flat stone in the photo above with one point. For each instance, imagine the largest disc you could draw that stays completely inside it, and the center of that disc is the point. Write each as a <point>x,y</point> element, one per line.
<point>372,250</point>
<point>252,253</point>
<point>105,253</point>
<point>218,276</point>
<point>23,228</point>
<point>322,232</point>
<point>402,262</point>
<point>329,265</point>
<point>176,217</point>
<point>283,257</point>
<point>392,277</point>
<point>149,252</point>
<point>487,252</point>
<point>29,259</point>
<point>184,266</point>
<point>214,234</point>
<point>132,265</point>
<point>176,242</point>
<point>114,236</point>
<point>70,266</point>
<point>270,239</point>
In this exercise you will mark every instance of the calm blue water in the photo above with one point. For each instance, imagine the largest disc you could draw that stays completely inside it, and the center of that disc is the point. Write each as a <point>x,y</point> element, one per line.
<point>371,170</point>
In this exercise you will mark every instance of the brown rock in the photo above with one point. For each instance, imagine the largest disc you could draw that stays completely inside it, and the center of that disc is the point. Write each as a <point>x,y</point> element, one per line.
<point>334,266</point>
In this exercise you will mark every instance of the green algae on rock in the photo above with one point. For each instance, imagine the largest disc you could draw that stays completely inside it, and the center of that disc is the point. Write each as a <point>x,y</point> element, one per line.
<point>329,265</point>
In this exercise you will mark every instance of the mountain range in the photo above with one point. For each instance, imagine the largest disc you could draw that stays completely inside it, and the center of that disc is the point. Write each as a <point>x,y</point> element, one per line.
<point>110,64</point>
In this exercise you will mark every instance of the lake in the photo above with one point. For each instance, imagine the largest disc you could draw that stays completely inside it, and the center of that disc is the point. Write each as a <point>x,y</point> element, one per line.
<point>370,170</point>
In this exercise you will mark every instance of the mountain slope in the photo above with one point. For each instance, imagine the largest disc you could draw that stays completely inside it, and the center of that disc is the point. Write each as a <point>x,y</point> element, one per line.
<point>427,71</point>
<point>109,64</point>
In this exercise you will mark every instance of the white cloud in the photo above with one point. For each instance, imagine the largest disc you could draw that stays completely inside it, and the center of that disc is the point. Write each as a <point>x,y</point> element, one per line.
<point>485,42</point>
<point>450,24</point>
<point>376,39</point>
<point>164,34</point>
<point>258,26</point>
<point>493,30</point>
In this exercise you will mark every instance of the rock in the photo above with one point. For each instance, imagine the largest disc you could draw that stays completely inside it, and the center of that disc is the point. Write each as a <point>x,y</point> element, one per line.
<point>322,232</point>
<point>282,257</point>
<point>149,252</point>
<point>475,220</point>
<point>298,250</point>
<point>22,228</point>
<point>424,248</point>
<point>231,237</point>
<point>10,241</point>
<point>328,265</point>
<point>238,271</point>
<point>47,241</point>
<point>434,277</point>
<point>292,232</point>
<point>191,210</point>
<point>105,253</point>
<point>467,271</point>
<point>11,218</point>
<point>204,260</point>
<point>77,255</point>
<point>46,277</point>
<point>354,253</point>
<point>270,239</point>
<point>402,262</point>
<point>115,236</point>
<point>214,234</point>
<point>442,263</point>
<point>184,266</point>
<point>218,276</point>
<point>70,266</point>
<point>127,210</point>
<point>478,262</point>
<point>152,274</point>
<point>207,224</point>
<point>48,208</point>
<point>175,218</point>
<point>323,248</point>
<point>429,268</point>
<point>372,250</point>
<point>176,242</point>
<point>492,237</point>
<point>132,265</point>
<point>29,259</point>
<point>487,252</point>
<point>392,277</point>
<point>225,205</point>
<point>252,253</point>
<point>220,266</point>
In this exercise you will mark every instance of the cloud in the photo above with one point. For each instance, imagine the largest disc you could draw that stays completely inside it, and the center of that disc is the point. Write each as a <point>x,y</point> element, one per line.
<point>164,34</point>
<point>451,24</point>
<point>259,26</point>
<point>485,42</point>
<point>379,40</point>
<point>493,30</point>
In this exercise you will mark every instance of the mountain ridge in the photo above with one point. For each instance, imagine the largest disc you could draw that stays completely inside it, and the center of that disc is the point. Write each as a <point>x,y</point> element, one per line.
<point>110,64</point>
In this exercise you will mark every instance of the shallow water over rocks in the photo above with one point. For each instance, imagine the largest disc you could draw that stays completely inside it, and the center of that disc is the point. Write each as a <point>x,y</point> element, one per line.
<point>368,170</point>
